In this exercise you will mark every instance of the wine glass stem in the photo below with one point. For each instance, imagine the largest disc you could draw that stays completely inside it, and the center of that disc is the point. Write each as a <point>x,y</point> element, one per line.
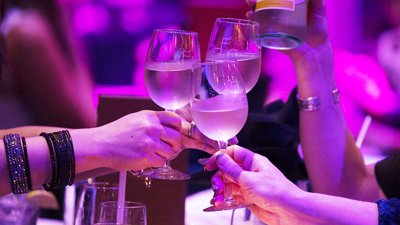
<point>168,161</point>
<point>227,184</point>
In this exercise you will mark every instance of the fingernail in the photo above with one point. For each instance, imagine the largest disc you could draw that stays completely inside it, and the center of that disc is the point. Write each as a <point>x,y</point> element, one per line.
<point>214,188</point>
<point>205,169</point>
<point>222,159</point>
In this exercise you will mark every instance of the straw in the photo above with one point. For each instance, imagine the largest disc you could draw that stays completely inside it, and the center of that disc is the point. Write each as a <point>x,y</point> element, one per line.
<point>363,130</point>
<point>121,197</point>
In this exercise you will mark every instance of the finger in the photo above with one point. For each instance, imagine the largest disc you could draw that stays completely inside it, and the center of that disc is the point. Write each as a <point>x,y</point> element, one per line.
<point>196,144</point>
<point>216,183</point>
<point>250,15</point>
<point>173,138</point>
<point>251,3</point>
<point>233,141</point>
<point>229,168</point>
<point>186,126</point>
<point>170,119</point>
<point>185,113</point>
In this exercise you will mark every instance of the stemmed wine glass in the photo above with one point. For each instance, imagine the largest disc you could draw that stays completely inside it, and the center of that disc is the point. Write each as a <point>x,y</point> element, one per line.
<point>239,40</point>
<point>219,108</point>
<point>167,77</point>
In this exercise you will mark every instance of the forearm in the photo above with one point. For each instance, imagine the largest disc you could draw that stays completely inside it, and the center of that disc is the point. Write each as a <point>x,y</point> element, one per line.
<point>334,164</point>
<point>313,208</point>
<point>86,147</point>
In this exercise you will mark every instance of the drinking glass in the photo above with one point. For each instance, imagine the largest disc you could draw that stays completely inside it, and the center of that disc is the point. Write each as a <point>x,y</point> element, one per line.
<point>167,76</point>
<point>244,217</point>
<point>89,199</point>
<point>239,40</point>
<point>134,213</point>
<point>219,108</point>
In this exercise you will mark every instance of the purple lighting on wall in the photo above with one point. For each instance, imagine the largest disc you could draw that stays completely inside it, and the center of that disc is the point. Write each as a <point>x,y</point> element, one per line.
<point>91,19</point>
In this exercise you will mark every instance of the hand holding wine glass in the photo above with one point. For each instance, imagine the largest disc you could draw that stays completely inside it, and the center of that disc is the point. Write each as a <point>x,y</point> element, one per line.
<point>219,108</point>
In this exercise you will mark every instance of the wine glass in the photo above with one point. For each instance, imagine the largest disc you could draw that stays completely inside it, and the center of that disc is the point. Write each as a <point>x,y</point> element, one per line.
<point>219,108</point>
<point>239,40</point>
<point>89,199</point>
<point>134,213</point>
<point>167,76</point>
<point>244,217</point>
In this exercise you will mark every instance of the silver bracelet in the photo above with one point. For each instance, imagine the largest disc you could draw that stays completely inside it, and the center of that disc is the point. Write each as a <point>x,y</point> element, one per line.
<point>336,96</point>
<point>309,104</point>
<point>314,103</point>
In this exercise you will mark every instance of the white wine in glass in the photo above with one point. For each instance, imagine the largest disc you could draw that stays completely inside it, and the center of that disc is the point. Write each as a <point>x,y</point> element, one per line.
<point>167,78</point>
<point>239,40</point>
<point>219,108</point>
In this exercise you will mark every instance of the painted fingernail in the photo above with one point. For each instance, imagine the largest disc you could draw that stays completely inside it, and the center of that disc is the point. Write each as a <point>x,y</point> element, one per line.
<point>214,188</point>
<point>205,169</point>
<point>222,159</point>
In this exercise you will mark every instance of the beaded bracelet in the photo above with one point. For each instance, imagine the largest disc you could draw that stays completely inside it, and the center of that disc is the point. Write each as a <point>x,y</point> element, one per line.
<point>51,185</point>
<point>389,211</point>
<point>16,163</point>
<point>28,171</point>
<point>71,153</point>
<point>63,159</point>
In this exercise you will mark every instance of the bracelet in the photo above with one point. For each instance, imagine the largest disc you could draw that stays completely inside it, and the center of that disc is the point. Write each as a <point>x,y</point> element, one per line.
<point>28,171</point>
<point>314,103</point>
<point>309,104</point>
<point>16,164</point>
<point>71,154</point>
<point>389,211</point>
<point>51,185</point>
<point>336,96</point>
<point>63,159</point>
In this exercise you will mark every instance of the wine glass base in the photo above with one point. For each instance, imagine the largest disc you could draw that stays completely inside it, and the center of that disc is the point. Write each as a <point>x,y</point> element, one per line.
<point>203,161</point>
<point>141,173</point>
<point>167,173</point>
<point>227,205</point>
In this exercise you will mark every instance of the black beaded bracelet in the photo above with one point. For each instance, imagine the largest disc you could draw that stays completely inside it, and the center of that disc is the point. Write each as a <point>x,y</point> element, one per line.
<point>63,159</point>
<point>389,211</point>
<point>27,169</point>
<point>16,164</point>
<point>71,153</point>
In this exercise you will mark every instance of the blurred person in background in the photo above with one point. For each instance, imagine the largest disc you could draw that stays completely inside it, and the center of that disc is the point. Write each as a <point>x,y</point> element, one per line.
<point>45,76</point>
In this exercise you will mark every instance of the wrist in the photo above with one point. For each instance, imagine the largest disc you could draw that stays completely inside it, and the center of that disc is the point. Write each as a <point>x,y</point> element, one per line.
<point>88,149</point>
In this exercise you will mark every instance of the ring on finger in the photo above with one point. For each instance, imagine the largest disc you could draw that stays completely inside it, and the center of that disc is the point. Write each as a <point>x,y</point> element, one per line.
<point>191,129</point>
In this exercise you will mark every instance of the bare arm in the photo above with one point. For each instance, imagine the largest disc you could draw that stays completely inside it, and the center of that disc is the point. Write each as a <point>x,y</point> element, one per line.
<point>333,161</point>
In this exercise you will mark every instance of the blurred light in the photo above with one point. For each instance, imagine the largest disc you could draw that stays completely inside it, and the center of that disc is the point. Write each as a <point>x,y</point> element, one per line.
<point>134,20</point>
<point>90,19</point>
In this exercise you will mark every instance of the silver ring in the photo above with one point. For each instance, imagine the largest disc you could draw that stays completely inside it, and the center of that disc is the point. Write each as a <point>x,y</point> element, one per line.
<point>191,129</point>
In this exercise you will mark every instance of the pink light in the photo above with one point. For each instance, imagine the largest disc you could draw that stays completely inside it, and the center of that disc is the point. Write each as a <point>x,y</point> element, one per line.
<point>363,80</point>
<point>90,19</point>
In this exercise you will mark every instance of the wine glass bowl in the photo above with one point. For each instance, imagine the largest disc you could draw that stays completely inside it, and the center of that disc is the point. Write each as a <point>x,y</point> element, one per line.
<point>89,199</point>
<point>219,108</point>
<point>239,40</point>
<point>133,213</point>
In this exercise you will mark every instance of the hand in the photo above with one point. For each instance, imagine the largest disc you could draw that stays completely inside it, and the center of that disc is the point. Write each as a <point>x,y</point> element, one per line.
<point>141,140</point>
<point>255,180</point>
<point>317,29</point>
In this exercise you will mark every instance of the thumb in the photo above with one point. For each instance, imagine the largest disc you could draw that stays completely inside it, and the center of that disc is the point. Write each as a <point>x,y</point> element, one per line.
<point>229,168</point>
